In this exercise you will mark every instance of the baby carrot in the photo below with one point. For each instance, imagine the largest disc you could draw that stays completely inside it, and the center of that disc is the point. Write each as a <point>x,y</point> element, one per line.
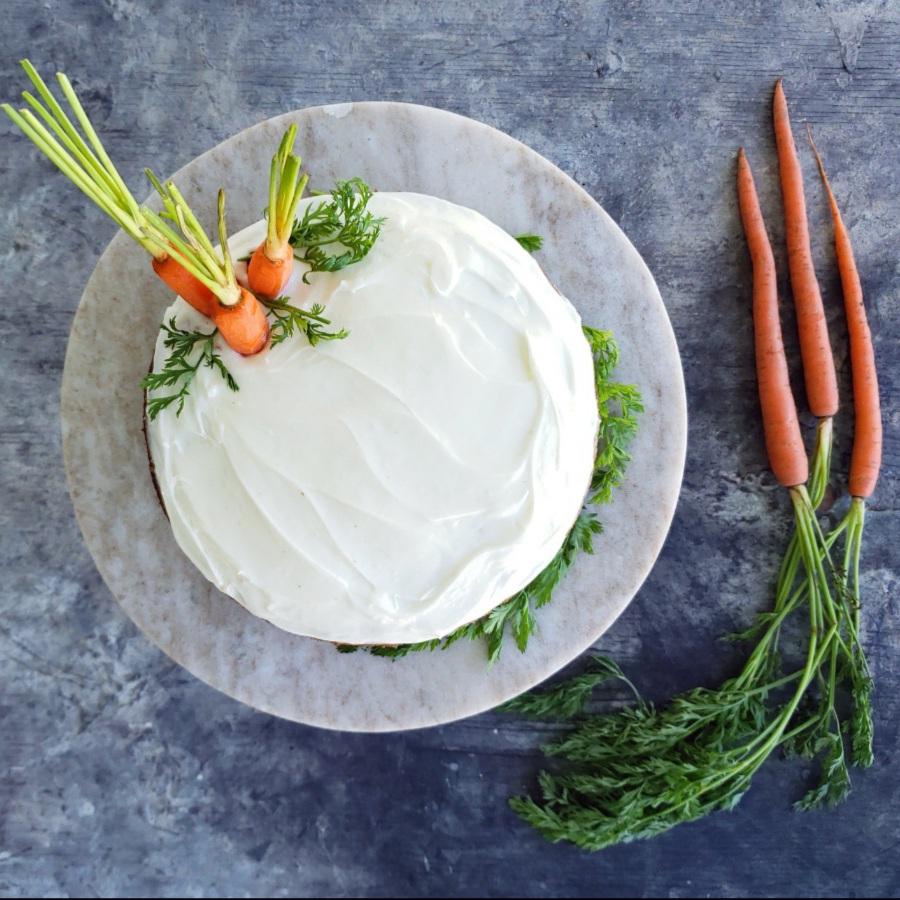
<point>239,316</point>
<point>244,325</point>
<point>784,442</point>
<point>273,260</point>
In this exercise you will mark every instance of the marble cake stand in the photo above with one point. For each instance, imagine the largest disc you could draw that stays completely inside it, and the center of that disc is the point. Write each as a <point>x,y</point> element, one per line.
<point>393,146</point>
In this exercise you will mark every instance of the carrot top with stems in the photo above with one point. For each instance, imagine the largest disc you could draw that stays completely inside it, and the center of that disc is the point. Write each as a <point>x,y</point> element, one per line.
<point>190,245</point>
<point>286,187</point>
<point>240,317</point>
<point>79,155</point>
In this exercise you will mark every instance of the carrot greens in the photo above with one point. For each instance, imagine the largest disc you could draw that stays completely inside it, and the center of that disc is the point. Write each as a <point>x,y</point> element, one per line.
<point>638,772</point>
<point>530,242</point>
<point>289,320</point>
<point>182,365</point>
<point>338,232</point>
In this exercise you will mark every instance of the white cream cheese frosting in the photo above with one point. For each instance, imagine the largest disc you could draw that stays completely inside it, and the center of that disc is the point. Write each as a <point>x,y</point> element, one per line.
<point>392,486</point>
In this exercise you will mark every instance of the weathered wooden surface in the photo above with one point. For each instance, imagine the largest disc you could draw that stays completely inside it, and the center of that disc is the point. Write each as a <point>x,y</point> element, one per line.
<point>119,773</point>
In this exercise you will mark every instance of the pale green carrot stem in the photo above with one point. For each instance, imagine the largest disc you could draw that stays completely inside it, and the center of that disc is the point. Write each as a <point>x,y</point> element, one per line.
<point>57,114</point>
<point>208,259</point>
<point>226,252</point>
<point>188,262</point>
<point>77,148</point>
<point>196,228</point>
<point>288,219</point>
<point>56,153</point>
<point>272,213</point>
<point>167,235</point>
<point>88,129</point>
<point>821,461</point>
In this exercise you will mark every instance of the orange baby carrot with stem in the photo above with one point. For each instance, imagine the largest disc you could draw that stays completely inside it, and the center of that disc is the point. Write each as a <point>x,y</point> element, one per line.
<point>81,157</point>
<point>273,260</point>
<point>239,316</point>
<point>815,347</point>
<point>865,463</point>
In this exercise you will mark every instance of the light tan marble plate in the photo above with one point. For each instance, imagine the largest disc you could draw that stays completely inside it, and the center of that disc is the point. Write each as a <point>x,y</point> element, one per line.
<point>394,147</point>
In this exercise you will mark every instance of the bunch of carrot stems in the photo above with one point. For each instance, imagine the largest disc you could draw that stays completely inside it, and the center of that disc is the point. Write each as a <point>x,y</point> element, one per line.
<point>643,770</point>
<point>183,257</point>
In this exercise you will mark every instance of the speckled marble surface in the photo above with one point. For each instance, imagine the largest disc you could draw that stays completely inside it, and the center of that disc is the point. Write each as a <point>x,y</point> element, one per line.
<point>119,772</point>
<point>395,146</point>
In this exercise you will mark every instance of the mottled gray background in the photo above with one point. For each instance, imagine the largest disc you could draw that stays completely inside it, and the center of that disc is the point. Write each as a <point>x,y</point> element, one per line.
<point>121,774</point>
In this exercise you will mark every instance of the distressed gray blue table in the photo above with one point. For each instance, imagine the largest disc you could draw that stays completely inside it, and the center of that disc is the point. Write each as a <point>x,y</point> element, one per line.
<point>119,773</point>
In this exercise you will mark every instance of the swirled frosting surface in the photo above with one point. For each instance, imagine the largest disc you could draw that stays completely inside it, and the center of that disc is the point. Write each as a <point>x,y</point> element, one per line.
<point>392,486</point>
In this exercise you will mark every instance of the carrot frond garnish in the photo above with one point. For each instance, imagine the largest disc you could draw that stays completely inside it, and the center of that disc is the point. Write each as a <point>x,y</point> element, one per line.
<point>338,232</point>
<point>530,242</point>
<point>181,366</point>
<point>619,405</point>
<point>289,320</point>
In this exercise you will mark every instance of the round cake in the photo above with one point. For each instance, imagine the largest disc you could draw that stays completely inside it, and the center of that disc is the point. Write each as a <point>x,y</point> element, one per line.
<point>392,486</point>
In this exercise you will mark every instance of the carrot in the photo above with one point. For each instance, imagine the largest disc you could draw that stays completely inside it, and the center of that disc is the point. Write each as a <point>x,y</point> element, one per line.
<point>84,161</point>
<point>272,262</point>
<point>244,325</point>
<point>181,282</point>
<point>815,348</point>
<point>239,316</point>
<point>267,276</point>
<point>865,463</point>
<point>784,442</point>
<point>835,622</point>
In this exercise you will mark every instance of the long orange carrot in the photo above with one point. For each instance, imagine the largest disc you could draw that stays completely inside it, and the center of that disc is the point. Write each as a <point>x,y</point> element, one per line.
<point>815,348</point>
<point>784,442</point>
<point>865,463</point>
